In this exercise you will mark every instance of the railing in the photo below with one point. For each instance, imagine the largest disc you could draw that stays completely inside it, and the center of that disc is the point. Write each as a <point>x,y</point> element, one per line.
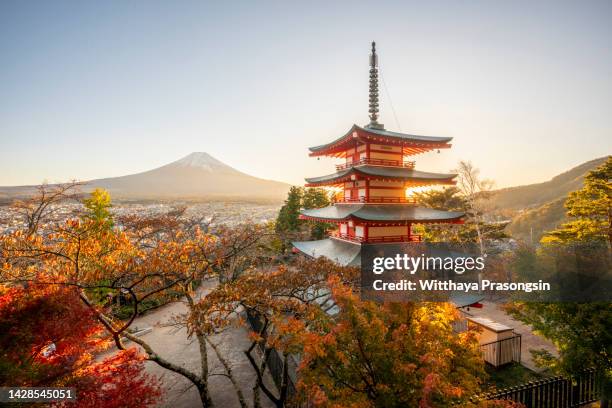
<point>396,238</point>
<point>379,200</point>
<point>393,238</point>
<point>376,162</point>
<point>346,237</point>
<point>275,360</point>
<point>554,392</point>
<point>501,352</point>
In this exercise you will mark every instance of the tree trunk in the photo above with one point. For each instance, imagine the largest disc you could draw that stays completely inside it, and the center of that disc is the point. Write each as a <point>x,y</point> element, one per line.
<point>230,373</point>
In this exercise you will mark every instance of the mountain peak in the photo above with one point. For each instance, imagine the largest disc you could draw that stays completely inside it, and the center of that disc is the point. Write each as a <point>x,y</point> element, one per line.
<point>201,160</point>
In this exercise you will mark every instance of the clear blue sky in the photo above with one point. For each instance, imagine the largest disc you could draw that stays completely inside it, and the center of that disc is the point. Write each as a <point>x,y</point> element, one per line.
<point>97,89</point>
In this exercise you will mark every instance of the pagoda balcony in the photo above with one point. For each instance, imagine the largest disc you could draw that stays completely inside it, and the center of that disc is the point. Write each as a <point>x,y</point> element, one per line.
<point>377,200</point>
<point>383,239</point>
<point>376,162</point>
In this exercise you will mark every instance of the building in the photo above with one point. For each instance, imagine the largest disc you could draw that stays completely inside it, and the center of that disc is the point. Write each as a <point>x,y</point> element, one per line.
<point>372,206</point>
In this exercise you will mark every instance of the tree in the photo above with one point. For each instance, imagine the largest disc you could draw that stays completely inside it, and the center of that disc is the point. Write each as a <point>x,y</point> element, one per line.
<point>98,207</point>
<point>580,331</point>
<point>590,210</point>
<point>288,224</point>
<point>48,338</point>
<point>476,192</point>
<point>316,198</point>
<point>288,216</point>
<point>280,304</point>
<point>353,353</point>
<point>152,257</point>
<point>391,355</point>
<point>447,199</point>
<point>43,205</point>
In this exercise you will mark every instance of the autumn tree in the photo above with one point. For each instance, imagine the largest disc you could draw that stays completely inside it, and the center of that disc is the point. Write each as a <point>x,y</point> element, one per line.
<point>148,259</point>
<point>391,355</point>
<point>277,306</point>
<point>97,208</point>
<point>352,353</point>
<point>49,338</point>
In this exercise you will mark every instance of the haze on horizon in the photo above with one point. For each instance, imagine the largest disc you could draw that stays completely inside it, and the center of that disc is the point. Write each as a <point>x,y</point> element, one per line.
<point>114,88</point>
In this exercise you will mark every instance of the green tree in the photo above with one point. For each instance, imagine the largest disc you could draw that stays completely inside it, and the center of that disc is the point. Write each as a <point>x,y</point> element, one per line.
<point>288,216</point>
<point>448,199</point>
<point>97,208</point>
<point>316,198</point>
<point>288,224</point>
<point>589,209</point>
<point>580,331</point>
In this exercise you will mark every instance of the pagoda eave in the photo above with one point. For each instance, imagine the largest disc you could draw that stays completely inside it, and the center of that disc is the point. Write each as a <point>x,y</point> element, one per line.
<point>383,214</point>
<point>411,144</point>
<point>371,223</point>
<point>382,173</point>
<point>409,182</point>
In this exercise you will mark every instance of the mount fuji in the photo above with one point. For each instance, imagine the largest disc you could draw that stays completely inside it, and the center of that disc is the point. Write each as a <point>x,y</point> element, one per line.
<point>195,176</point>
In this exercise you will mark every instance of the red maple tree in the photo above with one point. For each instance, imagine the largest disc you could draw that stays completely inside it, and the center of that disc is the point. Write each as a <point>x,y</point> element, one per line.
<point>49,338</point>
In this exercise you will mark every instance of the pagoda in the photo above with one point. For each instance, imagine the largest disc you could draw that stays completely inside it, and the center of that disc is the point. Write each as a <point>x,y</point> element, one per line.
<point>372,205</point>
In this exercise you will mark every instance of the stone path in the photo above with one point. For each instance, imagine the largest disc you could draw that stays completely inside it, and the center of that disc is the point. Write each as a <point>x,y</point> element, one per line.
<point>173,344</point>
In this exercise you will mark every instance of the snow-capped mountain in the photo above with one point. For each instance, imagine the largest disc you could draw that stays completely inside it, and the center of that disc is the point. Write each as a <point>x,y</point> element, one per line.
<point>197,175</point>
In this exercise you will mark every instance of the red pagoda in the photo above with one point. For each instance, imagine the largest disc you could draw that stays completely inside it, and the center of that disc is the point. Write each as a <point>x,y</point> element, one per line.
<point>372,206</point>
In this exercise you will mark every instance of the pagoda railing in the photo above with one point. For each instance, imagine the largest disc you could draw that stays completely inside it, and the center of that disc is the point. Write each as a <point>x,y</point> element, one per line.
<point>376,162</point>
<point>391,238</point>
<point>379,200</point>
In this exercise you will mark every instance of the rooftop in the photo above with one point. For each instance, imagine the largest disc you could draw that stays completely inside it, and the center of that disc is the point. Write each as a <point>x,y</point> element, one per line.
<point>383,212</point>
<point>399,173</point>
<point>412,144</point>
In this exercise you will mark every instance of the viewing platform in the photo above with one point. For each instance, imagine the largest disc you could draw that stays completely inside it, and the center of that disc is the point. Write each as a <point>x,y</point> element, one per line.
<point>376,200</point>
<point>376,162</point>
<point>383,239</point>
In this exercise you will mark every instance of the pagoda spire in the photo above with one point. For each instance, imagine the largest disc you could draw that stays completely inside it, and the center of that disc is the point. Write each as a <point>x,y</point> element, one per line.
<point>374,90</point>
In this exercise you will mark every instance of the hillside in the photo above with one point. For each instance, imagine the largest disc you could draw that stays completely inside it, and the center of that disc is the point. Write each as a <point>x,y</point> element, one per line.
<point>531,224</point>
<point>534,195</point>
<point>195,176</point>
<point>540,206</point>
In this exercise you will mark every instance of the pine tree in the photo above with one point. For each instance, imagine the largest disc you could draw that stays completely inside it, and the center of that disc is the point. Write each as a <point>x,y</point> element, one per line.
<point>316,198</point>
<point>580,331</point>
<point>589,208</point>
<point>288,216</point>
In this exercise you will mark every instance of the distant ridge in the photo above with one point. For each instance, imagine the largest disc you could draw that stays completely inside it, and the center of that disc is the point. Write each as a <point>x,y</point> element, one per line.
<point>533,195</point>
<point>538,208</point>
<point>197,175</point>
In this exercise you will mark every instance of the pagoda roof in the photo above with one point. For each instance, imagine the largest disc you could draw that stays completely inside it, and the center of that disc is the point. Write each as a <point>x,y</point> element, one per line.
<point>411,144</point>
<point>381,213</point>
<point>380,172</point>
<point>349,254</point>
<point>342,252</point>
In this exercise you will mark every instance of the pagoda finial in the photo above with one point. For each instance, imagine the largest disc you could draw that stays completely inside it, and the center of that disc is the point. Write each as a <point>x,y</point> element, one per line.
<point>374,90</point>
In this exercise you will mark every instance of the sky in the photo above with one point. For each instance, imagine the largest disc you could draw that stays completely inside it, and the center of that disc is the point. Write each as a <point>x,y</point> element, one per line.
<point>101,89</point>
